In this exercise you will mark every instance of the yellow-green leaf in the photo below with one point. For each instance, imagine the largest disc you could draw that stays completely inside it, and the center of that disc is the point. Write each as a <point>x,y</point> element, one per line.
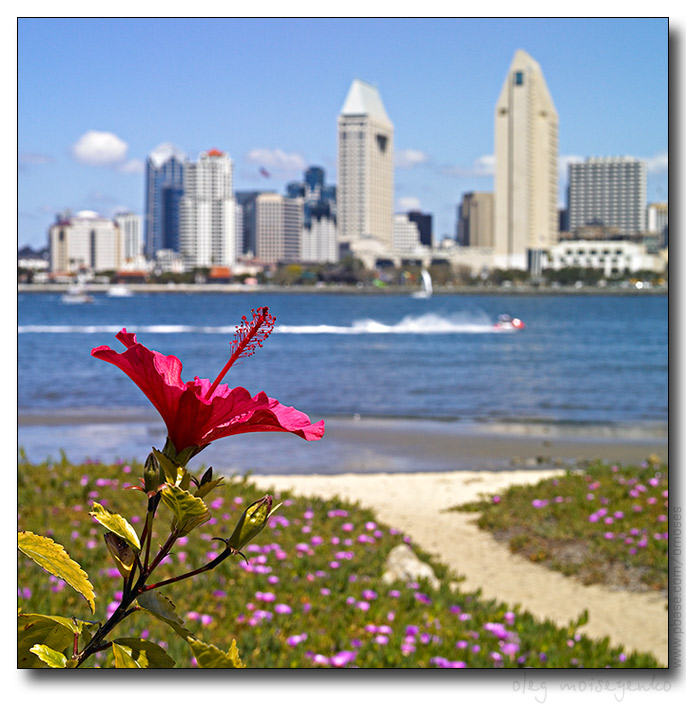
<point>54,632</point>
<point>117,524</point>
<point>164,610</point>
<point>131,653</point>
<point>189,511</point>
<point>174,473</point>
<point>54,558</point>
<point>209,656</point>
<point>54,659</point>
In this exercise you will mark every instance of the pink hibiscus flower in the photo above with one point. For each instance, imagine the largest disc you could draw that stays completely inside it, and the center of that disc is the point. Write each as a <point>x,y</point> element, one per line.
<point>198,412</point>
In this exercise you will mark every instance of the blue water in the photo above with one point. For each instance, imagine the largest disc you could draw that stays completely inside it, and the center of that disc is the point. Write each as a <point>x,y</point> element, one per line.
<point>581,359</point>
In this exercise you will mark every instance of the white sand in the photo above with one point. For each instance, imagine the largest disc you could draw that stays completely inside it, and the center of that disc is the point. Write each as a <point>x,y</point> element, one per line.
<point>415,504</point>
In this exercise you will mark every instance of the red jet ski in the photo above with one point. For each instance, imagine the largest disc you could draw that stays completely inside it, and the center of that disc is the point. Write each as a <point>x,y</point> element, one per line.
<point>507,323</point>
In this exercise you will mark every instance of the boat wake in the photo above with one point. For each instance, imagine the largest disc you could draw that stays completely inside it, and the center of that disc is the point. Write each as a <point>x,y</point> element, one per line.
<point>427,323</point>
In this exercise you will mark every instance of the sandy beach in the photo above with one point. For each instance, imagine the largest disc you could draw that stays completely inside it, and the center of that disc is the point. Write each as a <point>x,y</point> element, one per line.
<point>416,502</point>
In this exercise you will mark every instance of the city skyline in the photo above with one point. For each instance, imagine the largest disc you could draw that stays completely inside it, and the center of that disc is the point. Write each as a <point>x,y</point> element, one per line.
<point>268,93</point>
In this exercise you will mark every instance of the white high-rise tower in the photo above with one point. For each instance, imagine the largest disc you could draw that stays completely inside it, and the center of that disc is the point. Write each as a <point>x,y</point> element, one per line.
<point>526,140</point>
<point>365,169</point>
<point>208,212</point>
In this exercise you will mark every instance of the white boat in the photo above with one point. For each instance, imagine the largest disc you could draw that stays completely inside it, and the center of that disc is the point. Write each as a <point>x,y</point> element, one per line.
<point>505,322</point>
<point>76,294</point>
<point>119,292</point>
<point>427,286</point>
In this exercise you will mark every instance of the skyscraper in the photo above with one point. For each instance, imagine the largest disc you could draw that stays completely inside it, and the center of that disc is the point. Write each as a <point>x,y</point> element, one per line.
<point>526,141</point>
<point>208,212</point>
<point>609,191</point>
<point>130,229</point>
<point>163,192</point>
<point>365,168</point>
<point>278,222</point>
<point>475,222</point>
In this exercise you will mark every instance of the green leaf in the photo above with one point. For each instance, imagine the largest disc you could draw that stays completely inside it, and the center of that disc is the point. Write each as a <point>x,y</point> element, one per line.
<point>164,610</point>
<point>54,659</point>
<point>205,487</point>
<point>131,653</point>
<point>117,524</point>
<point>174,473</point>
<point>209,656</point>
<point>57,633</point>
<point>189,511</point>
<point>54,558</point>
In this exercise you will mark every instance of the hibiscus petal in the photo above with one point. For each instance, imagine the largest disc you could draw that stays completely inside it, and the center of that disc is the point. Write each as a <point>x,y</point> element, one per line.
<point>157,375</point>
<point>275,418</point>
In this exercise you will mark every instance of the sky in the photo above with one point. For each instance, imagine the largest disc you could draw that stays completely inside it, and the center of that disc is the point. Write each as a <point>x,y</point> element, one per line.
<point>96,95</point>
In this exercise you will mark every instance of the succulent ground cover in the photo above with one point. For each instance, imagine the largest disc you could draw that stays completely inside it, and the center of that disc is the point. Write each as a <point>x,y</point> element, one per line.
<point>606,524</point>
<point>309,592</point>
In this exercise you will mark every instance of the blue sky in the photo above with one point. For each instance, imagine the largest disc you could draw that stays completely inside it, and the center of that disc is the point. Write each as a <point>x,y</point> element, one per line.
<point>95,96</point>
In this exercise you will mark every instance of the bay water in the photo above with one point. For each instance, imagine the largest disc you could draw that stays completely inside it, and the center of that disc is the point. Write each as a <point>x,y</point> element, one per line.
<point>583,362</point>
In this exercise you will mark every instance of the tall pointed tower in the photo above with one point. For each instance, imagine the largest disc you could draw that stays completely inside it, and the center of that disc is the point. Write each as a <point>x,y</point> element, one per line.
<point>365,168</point>
<point>526,129</point>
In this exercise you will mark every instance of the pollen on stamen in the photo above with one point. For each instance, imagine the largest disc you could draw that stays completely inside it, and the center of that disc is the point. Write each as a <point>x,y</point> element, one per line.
<point>251,334</point>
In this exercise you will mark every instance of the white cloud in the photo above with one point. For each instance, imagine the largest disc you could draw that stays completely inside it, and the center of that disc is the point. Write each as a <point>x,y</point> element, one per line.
<point>483,166</point>
<point>34,158</point>
<point>99,148</point>
<point>132,166</point>
<point>409,158</point>
<point>408,203</point>
<point>659,164</point>
<point>276,160</point>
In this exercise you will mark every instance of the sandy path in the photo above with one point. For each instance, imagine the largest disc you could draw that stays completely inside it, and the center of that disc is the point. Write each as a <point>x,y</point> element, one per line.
<point>414,504</point>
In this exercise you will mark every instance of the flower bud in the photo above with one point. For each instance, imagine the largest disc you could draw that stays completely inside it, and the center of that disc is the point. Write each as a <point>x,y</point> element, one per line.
<point>122,553</point>
<point>252,522</point>
<point>152,477</point>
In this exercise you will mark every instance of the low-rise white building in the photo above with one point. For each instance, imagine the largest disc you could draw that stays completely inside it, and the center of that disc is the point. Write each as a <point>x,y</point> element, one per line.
<point>318,241</point>
<point>85,241</point>
<point>405,234</point>
<point>613,257</point>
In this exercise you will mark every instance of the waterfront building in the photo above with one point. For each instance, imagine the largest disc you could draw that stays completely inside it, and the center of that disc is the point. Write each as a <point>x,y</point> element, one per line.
<point>163,191</point>
<point>246,203</point>
<point>131,236</point>
<point>405,235</point>
<point>614,258</point>
<point>424,223</point>
<point>365,170</point>
<point>475,220</point>
<point>319,231</point>
<point>608,190</point>
<point>657,219</point>
<point>84,241</point>
<point>526,154</point>
<point>278,227</point>
<point>208,212</point>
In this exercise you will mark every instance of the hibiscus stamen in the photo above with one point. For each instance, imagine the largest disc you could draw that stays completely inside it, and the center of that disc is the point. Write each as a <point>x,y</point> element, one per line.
<point>249,336</point>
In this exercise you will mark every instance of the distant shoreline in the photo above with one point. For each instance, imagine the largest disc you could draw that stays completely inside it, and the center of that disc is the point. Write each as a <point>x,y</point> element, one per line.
<point>349,290</point>
<point>361,445</point>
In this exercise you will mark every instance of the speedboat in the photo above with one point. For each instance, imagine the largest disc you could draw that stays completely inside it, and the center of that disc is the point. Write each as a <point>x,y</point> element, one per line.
<point>119,292</point>
<point>505,322</point>
<point>76,294</point>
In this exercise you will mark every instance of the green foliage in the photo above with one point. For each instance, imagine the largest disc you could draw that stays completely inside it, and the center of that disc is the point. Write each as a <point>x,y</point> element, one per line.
<point>209,657</point>
<point>54,659</point>
<point>189,511</point>
<point>605,525</point>
<point>140,654</point>
<point>310,594</point>
<point>54,559</point>
<point>117,524</point>
<point>53,634</point>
